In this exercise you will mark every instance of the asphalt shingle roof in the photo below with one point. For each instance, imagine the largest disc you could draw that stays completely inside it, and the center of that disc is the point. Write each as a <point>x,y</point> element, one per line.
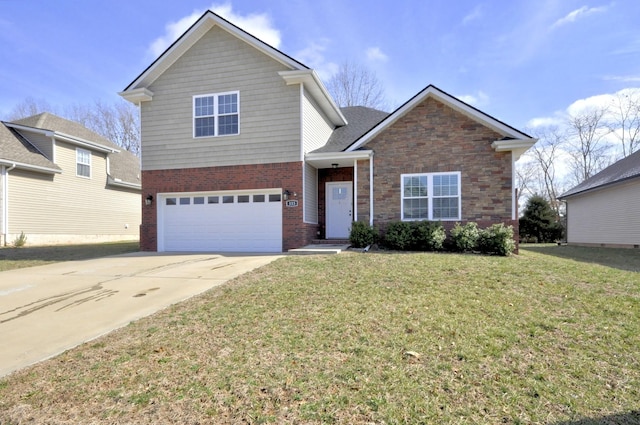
<point>360,119</point>
<point>624,169</point>
<point>14,148</point>
<point>123,165</point>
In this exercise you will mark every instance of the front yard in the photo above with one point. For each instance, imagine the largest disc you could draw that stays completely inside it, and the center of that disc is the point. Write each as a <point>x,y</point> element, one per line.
<point>366,338</point>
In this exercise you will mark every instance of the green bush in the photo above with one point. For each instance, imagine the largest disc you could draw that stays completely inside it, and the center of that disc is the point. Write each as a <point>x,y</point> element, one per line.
<point>465,238</point>
<point>428,235</point>
<point>399,235</point>
<point>415,235</point>
<point>539,222</point>
<point>497,239</point>
<point>362,234</point>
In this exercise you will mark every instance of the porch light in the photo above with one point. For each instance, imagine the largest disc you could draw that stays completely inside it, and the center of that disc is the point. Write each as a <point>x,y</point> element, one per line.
<point>148,200</point>
<point>334,165</point>
<point>287,194</point>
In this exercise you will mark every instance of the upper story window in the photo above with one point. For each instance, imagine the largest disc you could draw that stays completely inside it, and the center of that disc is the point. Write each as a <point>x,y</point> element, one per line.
<point>216,114</point>
<point>431,196</point>
<point>83,162</point>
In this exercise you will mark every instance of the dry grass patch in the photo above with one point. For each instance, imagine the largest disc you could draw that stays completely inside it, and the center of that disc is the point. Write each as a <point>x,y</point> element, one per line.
<point>373,338</point>
<point>17,258</point>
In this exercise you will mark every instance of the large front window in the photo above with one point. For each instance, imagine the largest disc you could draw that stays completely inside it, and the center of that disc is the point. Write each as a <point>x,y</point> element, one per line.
<point>216,114</point>
<point>431,196</point>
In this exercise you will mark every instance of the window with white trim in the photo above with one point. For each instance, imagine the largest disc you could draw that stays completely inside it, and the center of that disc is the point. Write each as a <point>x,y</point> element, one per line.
<point>83,163</point>
<point>431,196</point>
<point>216,114</point>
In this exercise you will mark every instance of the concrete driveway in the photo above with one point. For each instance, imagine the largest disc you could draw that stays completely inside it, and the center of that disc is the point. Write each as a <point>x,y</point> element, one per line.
<point>46,310</point>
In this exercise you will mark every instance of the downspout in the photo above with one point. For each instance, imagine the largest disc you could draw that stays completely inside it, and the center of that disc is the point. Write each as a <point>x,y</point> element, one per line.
<point>355,190</point>
<point>5,201</point>
<point>371,189</point>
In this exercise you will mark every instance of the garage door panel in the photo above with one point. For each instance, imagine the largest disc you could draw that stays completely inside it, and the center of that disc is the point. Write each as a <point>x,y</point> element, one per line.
<point>231,227</point>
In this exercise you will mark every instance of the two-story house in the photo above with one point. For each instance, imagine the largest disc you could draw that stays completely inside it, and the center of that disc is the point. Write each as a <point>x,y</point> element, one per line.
<point>61,183</point>
<point>243,149</point>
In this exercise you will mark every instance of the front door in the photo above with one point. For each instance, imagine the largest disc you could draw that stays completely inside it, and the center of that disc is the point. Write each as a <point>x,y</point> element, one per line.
<point>339,209</point>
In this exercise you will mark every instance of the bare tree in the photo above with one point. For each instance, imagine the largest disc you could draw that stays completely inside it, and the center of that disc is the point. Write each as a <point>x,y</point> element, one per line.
<point>118,122</point>
<point>546,154</point>
<point>624,120</point>
<point>589,148</point>
<point>354,85</point>
<point>28,107</point>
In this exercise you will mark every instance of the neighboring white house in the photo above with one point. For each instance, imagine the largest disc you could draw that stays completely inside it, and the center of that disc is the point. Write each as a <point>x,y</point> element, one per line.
<point>604,210</point>
<point>62,183</point>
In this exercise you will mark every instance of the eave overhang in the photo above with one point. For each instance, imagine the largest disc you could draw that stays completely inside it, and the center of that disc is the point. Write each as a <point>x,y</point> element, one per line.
<point>30,167</point>
<point>516,146</point>
<point>120,183</point>
<point>342,159</point>
<point>136,96</point>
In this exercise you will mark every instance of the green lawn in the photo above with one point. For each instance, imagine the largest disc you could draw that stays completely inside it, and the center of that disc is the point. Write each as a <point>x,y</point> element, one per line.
<point>366,338</point>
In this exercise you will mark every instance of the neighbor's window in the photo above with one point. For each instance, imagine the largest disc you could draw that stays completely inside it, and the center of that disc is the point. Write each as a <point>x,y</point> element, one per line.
<point>431,196</point>
<point>83,163</point>
<point>216,114</point>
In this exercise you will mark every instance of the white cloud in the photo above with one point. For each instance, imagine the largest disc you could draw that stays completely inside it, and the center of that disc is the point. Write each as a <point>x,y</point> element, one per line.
<point>554,121</point>
<point>623,78</point>
<point>576,14</point>
<point>475,14</point>
<point>313,57</point>
<point>478,100</point>
<point>375,54</point>
<point>258,25</point>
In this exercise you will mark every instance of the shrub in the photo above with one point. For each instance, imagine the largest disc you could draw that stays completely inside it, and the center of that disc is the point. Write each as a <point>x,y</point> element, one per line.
<point>496,239</point>
<point>415,235</point>
<point>465,238</point>
<point>428,235</point>
<point>20,241</point>
<point>362,234</point>
<point>399,235</point>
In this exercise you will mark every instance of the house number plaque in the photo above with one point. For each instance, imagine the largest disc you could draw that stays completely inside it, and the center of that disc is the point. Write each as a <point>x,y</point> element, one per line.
<point>292,203</point>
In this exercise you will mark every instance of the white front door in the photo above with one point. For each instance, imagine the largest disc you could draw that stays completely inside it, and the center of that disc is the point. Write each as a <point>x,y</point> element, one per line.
<point>339,209</point>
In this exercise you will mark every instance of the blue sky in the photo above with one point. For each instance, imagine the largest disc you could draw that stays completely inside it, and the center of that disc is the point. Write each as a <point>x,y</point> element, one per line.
<point>516,60</point>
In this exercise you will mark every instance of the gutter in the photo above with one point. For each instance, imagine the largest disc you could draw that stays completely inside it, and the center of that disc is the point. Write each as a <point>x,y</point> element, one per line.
<point>114,181</point>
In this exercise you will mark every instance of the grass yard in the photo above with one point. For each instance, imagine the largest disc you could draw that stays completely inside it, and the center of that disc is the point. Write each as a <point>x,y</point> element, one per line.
<point>363,339</point>
<point>29,256</point>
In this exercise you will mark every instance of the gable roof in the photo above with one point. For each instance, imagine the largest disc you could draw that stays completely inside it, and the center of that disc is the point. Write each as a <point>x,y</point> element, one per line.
<point>124,167</point>
<point>625,169</point>
<point>513,139</point>
<point>207,21</point>
<point>360,120</point>
<point>298,73</point>
<point>15,150</point>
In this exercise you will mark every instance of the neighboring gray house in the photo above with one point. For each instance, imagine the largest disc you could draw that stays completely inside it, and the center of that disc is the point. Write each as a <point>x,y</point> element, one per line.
<point>62,183</point>
<point>604,210</point>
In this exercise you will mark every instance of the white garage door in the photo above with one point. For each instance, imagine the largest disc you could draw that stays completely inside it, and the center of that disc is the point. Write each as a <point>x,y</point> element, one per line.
<point>222,221</point>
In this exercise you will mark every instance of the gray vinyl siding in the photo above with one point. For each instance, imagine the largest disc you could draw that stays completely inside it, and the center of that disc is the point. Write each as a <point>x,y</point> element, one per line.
<point>43,143</point>
<point>219,62</point>
<point>310,194</point>
<point>606,216</point>
<point>64,204</point>
<point>316,128</point>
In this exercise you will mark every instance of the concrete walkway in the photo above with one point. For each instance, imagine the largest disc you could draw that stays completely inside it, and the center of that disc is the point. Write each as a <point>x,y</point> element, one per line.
<point>48,309</point>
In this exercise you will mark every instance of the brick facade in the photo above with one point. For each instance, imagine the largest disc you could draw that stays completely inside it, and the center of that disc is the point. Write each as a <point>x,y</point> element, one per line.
<point>287,176</point>
<point>433,137</point>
